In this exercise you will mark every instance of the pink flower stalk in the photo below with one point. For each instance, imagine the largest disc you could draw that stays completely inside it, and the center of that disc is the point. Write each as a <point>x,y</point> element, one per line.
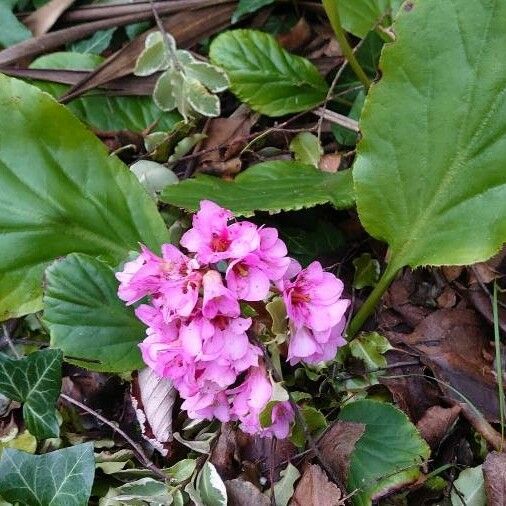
<point>196,335</point>
<point>212,239</point>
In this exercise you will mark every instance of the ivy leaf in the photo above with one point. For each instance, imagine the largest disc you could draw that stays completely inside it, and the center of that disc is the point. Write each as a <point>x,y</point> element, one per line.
<point>143,491</point>
<point>429,174</point>
<point>360,16</point>
<point>265,76</point>
<point>370,348</point>
<point>269,186</point>
<point>306,148</point>
<point>248,7</point>
<point>104,112</point>
<point>60,478</point>
<point>86,318</point>
<point>35,381</point>
<point>60,192</point>
<point>387,455</point>
<point>210,486</point>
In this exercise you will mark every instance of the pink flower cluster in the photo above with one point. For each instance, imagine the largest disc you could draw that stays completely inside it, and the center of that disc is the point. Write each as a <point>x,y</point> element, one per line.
<point>196,335</point>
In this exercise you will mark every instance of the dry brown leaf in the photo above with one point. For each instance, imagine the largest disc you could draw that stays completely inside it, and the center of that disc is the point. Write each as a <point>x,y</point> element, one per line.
<point>244,493</point>
<point>452,272</point>
<point>153,399</point>
<point>225,139</point>
<point>494,471</point>
<point>41,20</point>
<point>224,455</point>
<point>315,489</point>
<point>298,36</point>
<point>330,162</point>
<point>337,444</point>
<point>453,343</point>
<point>187,28</point>
<point>436,422</point>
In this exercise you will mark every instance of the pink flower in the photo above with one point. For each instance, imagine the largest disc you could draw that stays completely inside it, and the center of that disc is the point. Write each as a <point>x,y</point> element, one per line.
<point>247,279</point>
<point>282,417</point>
<point>272,253</point>
<point>312,299</point>
<point>313,347</point>
<point>208,405</point>
<point>212,239</point>
<point>218,299</point>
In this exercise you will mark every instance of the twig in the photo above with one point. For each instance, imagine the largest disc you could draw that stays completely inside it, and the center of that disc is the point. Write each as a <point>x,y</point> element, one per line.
<point>338,119</point>
<point>137,449</point>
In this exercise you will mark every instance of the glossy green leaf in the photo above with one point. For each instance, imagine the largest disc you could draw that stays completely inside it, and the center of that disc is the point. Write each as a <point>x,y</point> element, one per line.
<point>430,173</point>
<point>210,486</point>
<point>104,112</point>
<point>360,16</point>
<point>35,381</point>
<point>60,478</point>
<point>86,318</point>
<point>269,186</point>
<point>248,7</point>
<point>471,487</point>
<point>265,76</point>
<point>306,148</point>
<point>389,453</point>
<point>60,192</point>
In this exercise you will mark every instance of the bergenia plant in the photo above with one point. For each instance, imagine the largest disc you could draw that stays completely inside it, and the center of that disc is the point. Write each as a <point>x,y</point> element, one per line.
<point>198,336</point>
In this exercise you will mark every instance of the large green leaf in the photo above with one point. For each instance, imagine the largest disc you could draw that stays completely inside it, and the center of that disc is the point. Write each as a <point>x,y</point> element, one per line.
<point>387,455</point>
<point>60,478</point>
<point>360,16</point>
<point>34,380</point>
<point>86,318</point>
<point>430,173</point>
<point>269,186</point>
<point>265,76</point>
<point>60,192</point>
<point>103,112</point>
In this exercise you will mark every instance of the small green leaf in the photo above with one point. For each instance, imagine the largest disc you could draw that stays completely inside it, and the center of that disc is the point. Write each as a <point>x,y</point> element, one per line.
<point>60,192</point>
<point>163,94</point>
<point>86,318</point>
<point>471,486</point>
<point>184,146</point>
<point>153,176</point>
<point>269,186</point>
<point>389,453</point>
<point>265,76</point>
<point>433,184</point>
<point>95,44</point>
<point>370,348</point>
<point>283,489</point>
<point>212,77</point>
<point>306,148</point>
<point>248,7</point>
<point>277,309</point>
<point>60,478</point>
<point>12,31</point>
<point>360,16</point>
<point>34,380</point>
<point>200,99</point>
<point>367,271</point>
<point>210,486</point>
<point>143,491</point>
<point>181,470</point>
<point>154,57</point>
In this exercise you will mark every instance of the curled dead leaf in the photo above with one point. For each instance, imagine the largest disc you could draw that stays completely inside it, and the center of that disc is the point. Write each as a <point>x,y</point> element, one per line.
<point>436,422</point>
<point>315,489</point>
